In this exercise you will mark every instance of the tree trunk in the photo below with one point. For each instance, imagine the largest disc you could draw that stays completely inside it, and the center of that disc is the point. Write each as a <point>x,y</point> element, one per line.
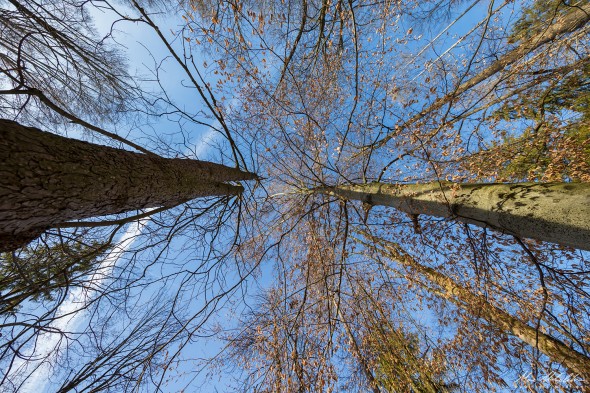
<point>553,348</point>
<point>46,179</point>
<point>552,212</point>
<point>568,23</point>
<point>572,21</point>
<point>371,381</point>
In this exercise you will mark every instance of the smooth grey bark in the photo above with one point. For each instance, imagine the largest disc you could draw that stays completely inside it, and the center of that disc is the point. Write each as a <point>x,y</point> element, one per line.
<point>552,212</point>
<point>46,179</point>
<point>553,348</point>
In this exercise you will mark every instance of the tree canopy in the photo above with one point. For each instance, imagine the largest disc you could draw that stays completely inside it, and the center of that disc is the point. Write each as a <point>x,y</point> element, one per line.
<point>306,279</point>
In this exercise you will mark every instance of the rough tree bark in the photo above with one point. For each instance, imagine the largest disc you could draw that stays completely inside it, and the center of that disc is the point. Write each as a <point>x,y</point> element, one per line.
<point>552,212</point>
<point>46,179</point>
<point>553,348</point>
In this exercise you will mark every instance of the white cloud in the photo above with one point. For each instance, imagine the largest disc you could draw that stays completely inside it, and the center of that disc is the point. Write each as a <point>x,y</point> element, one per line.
<point>68,317</point>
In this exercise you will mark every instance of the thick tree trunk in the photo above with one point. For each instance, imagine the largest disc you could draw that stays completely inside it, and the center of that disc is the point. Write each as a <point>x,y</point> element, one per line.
<point>46,179</point>
<point>553,348</point>
<point>552,212</point>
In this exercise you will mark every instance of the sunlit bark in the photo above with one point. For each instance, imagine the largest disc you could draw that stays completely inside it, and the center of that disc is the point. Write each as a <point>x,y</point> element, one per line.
<point>553,212</point>
<point>448,289</point>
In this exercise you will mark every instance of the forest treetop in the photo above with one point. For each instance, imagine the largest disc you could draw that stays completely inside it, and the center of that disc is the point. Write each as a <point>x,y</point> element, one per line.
<point>328,285</point>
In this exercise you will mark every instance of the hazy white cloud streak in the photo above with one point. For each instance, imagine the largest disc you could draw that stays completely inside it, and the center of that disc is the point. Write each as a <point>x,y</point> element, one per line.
<point>68,317</point>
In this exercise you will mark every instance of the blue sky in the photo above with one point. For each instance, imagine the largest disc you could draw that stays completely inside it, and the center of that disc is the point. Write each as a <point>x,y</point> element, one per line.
<point>138,39</point>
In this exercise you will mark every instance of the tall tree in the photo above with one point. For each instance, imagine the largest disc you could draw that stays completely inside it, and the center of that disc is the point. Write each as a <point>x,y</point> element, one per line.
<point>36,273</point>
<point>307,85</point>
<point>554,212</point>
<point>311,114</point>
<point>50,180</point>
<point>556,350</point>
<point>59,74</point>
<point>569,20</point>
